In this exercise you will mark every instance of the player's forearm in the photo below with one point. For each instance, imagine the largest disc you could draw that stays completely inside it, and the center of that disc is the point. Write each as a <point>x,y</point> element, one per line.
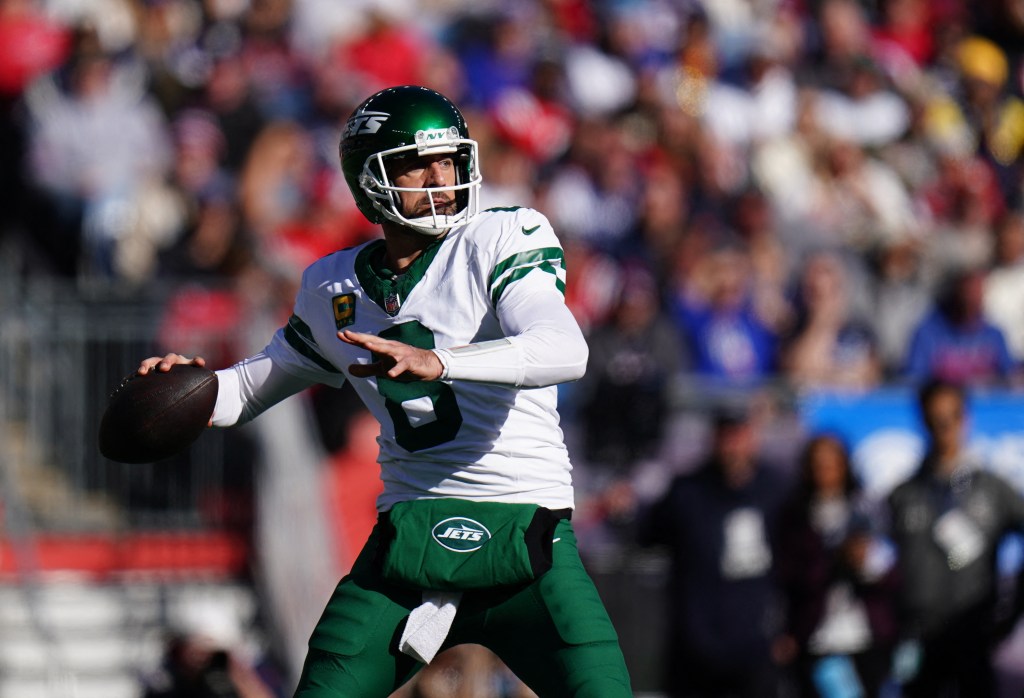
<point>541,356</point>
<point>250,387</point>
<point>543,344</point>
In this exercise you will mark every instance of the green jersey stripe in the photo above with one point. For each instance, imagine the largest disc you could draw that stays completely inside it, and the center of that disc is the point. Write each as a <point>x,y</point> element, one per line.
<point>525,258</point>
<point>498,286</point>
<point>300,338</point>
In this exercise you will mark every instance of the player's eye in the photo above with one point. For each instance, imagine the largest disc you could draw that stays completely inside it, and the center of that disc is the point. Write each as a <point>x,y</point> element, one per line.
<point>405,166</point>
<point>417,167</point>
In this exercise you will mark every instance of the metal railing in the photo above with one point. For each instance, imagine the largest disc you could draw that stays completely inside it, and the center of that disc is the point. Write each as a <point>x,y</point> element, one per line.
<point>62,351</point>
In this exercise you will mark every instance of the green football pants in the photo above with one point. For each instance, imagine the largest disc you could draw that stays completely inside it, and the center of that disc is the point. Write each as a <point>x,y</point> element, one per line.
<point>553,633</point>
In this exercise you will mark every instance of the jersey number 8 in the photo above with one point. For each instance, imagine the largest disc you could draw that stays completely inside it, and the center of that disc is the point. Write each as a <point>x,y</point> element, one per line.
<point>447,417</point>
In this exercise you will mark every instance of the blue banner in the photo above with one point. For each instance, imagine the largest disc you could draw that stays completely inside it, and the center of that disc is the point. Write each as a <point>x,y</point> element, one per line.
<point>887,439</point>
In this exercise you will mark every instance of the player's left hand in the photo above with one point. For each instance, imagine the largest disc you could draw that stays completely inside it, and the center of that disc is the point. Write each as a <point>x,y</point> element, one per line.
<point>396,360</point>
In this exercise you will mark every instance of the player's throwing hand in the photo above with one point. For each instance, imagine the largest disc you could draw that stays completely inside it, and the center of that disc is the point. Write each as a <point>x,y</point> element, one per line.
<point>164,363</point>
<point>396,360</point>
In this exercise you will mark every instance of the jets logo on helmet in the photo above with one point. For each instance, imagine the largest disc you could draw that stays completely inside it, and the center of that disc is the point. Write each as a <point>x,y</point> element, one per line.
<point>365,122</point>
<point>399,122</point>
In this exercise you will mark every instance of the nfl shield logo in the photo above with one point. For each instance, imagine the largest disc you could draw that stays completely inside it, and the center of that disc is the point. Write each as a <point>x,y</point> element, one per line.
<point>344,309</point>
<point>391,304</point>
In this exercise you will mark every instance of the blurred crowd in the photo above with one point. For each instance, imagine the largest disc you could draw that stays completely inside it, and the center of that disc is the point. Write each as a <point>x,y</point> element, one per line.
<point>827,193</point>
<point>808,586</point>
<point>815,194</point>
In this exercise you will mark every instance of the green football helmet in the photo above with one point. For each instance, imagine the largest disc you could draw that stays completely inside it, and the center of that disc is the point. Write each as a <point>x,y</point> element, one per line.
<point>397,122</point>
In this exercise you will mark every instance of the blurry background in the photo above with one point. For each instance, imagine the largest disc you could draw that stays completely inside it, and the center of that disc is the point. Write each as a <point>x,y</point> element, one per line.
<point>795,204</point>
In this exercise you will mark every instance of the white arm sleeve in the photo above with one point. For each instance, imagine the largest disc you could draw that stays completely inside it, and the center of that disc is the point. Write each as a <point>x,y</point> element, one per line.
<point>543,343</point>
<point>250,387</point>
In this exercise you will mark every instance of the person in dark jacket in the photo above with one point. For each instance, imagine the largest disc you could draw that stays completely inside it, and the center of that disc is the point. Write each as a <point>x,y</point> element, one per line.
<point>718,525</point>
<point>839,577</point>
<point>947,522</point>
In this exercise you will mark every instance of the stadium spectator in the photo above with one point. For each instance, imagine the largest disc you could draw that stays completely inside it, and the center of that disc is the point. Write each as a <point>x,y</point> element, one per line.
<point>718,525</point>
<point>757,102</point>
<point>860,199</point>
<point>729,342</point>
<point>662,212</point>
<point>277,179</point>
<point>351,483</point>
<point>634,358</point>
<point>207,656</point>
<point>199,150</point>
<point>228,94</point>
<point>993,113</point>
<point>955,342</point>
<point>842,39</point>
<point>590,293</point>
<point>771,263</point>
<point>947,521</point>
<point>388,51</point>
<point>31,45</point>
<point>830,346</point>
<point>861,107</point>
<point>899,298</point>
<point>273,67</point>
<point>498,50</point>
<point>839,578</point>
<point>787,169</point>
<point>594,194</point>
<point>963,203</point>
<point>214,247</point>
<point>99,153</point>
<point>1004,284</point>
<point>905,33</point>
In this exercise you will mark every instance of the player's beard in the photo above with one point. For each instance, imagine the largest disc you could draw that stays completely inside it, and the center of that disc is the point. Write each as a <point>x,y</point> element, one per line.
<point>448,207</point>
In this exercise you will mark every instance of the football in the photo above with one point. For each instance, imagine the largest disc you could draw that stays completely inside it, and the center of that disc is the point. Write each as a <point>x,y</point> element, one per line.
<point>152,417</point>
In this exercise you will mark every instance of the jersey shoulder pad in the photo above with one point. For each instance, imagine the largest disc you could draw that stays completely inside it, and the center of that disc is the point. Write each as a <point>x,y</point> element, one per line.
<point>514,226</point>
<point>330,266</point>
<point>525,242</point>
<point>513,214</point>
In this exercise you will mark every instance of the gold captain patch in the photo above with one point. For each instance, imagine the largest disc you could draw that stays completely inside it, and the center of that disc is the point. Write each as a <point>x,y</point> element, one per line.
<point>344,309</point>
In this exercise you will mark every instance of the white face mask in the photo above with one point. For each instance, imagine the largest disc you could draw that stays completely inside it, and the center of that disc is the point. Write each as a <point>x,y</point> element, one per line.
<point>375,182</point>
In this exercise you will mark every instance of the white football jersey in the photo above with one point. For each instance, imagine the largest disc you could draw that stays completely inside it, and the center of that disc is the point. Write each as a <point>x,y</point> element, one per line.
<point>441,438</point>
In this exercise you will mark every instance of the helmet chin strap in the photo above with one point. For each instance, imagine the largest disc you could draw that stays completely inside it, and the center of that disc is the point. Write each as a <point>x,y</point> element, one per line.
<point>426,225</point>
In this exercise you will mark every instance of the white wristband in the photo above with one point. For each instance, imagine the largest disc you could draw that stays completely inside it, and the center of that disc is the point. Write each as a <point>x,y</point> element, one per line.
<point>497,361</point>
<point>442,356</point>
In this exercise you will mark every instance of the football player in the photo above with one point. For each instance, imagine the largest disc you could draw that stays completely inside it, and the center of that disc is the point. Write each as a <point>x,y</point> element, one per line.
<point>454,331</point>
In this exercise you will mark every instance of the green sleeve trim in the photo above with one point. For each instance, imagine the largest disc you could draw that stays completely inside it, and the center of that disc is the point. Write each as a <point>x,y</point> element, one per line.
<point>510,270</point>
<point>300,338</point>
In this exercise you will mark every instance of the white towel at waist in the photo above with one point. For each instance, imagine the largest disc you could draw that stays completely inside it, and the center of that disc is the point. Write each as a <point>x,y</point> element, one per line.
<point>428,624</point>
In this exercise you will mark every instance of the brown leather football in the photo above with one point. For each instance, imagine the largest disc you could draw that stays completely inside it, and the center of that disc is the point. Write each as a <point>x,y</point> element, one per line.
<point>155,416</point>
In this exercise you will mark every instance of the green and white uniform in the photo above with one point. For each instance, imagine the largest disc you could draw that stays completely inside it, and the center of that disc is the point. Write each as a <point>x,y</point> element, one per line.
<point>500,276</point>
<point>488,297</point>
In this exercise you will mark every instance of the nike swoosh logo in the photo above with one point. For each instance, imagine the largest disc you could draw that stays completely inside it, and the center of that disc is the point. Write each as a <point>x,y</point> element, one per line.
<point>530,231</point>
